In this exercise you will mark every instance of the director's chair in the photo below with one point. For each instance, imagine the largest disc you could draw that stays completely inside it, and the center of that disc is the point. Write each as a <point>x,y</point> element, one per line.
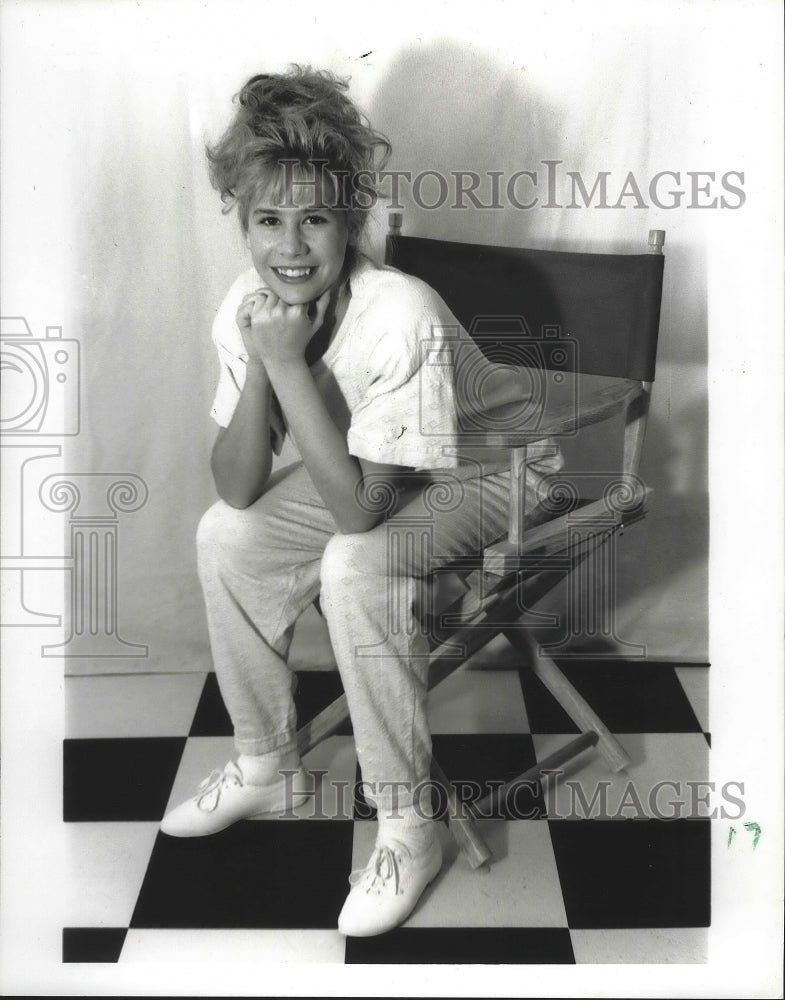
<point>586,325</point>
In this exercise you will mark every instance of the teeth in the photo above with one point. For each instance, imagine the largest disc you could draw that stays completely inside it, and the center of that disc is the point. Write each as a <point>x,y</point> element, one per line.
<point>293,272</point>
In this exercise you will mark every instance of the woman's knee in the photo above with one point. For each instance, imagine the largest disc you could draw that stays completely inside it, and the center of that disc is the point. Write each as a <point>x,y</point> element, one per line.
<point>223,526</point>
<point>340,561</point>
<point>353,561</point>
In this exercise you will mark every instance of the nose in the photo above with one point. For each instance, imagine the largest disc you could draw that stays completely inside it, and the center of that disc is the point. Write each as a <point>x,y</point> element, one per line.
<point>292,241</point>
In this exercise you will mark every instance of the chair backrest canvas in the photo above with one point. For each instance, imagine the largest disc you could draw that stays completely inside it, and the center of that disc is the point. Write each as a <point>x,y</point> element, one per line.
<point>606,304</point>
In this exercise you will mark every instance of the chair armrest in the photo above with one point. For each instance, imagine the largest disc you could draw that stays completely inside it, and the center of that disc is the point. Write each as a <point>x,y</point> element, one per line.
<point>562,416</point>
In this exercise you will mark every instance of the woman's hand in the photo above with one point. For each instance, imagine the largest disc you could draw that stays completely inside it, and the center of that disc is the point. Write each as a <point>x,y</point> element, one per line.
<point>276,333</point>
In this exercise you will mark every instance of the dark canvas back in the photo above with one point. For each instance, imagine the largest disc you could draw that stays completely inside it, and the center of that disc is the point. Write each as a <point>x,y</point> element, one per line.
<point>607,304</point>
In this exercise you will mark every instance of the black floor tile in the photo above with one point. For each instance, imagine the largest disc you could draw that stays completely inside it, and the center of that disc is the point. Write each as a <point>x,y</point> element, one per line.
<point>93,944</point>
<point>544,713</point>
<point>634,873</point>
<point>316,689</point>
<point>474,761</point>
<point>361,808</point>
<point>256,874</point>
<point>696,664</point>
<point>630,696</point>
<point>119,780</point>
<point>211,717</point>
<point>464,946</point>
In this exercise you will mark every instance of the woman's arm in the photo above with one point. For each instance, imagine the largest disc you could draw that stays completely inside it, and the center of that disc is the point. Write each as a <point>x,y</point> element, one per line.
<point>337,475</point>
<point>279,335</point>
<point>242,454</point>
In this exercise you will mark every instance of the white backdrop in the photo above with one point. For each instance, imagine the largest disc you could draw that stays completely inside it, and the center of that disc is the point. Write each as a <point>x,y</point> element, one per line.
<point>114,103</point>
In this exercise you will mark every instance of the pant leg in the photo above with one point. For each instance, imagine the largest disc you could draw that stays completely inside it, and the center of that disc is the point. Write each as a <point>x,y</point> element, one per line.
<point>259,569</point>
<point>370,589</point>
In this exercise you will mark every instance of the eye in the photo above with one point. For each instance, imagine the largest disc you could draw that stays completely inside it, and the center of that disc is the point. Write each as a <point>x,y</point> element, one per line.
<point>317,220</point>
<point>267,220</point>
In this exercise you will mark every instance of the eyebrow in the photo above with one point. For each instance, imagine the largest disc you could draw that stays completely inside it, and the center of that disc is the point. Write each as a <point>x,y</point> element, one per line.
<point>277,211</point>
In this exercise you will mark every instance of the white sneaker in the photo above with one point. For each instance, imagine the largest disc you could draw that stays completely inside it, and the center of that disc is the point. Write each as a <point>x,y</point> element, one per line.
<point>225,797</point>
<point>387,890</point>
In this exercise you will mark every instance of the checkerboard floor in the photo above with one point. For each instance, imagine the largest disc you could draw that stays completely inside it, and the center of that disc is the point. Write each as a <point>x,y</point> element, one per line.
<point>588,869</point>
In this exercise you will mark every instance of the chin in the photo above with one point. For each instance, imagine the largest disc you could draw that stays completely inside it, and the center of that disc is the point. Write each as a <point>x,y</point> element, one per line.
<point>294,295</point>
<point>297,298</point>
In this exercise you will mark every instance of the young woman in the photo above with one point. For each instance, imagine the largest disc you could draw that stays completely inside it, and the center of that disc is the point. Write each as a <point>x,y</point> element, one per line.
<point>358,364</point>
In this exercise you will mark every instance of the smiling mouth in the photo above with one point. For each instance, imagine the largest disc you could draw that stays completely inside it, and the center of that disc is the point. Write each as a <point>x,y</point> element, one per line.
<point>294,273</point>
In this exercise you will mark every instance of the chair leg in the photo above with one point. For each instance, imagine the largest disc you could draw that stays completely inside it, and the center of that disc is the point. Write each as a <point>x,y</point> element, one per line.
<point>461,824</point>
<point>570,700</point>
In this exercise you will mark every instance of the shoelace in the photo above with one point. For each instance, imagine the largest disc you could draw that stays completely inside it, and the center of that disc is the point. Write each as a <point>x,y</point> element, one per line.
<point>209,791</point>
<point>383,867</point>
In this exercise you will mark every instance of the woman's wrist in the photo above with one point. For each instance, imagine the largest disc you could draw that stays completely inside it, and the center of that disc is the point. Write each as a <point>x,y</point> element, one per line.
<point>256,373</point>
<point>285,369</point>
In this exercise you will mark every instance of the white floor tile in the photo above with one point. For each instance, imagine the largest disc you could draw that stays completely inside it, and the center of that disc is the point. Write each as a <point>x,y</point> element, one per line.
<point>521,889</point>
<point>195,947</point>
<point>106,864</point>
<point>666,779</point>
<point>478,701</point>
<point>131,705</point>
<point>656,945</point>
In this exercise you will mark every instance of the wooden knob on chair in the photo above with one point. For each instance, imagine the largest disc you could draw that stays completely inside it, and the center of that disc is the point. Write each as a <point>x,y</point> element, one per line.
<point>656,240</point>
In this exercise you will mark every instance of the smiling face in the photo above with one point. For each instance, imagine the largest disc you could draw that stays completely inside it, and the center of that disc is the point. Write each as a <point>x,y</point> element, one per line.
<point>297,243</point>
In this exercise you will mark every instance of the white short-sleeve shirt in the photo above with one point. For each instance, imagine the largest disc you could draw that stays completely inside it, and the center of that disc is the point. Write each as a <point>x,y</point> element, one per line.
<point>392,378</point>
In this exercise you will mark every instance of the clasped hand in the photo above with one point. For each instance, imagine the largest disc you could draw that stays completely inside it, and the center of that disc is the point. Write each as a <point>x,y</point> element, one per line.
<point>276,333</point>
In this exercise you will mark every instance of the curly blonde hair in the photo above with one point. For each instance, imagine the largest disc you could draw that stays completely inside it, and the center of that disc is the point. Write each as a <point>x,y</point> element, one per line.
<point>298,122</point>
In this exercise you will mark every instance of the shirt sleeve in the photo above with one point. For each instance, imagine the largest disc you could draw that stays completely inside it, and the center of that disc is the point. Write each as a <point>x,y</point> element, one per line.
<point>407,415</point>
<point>230,383</point>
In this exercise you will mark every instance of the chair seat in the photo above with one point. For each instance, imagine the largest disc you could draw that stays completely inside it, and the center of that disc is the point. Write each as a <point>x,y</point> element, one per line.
<point>573,402</point>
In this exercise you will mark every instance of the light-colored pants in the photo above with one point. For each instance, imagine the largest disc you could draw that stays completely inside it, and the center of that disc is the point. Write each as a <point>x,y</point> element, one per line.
<point>262,566</point>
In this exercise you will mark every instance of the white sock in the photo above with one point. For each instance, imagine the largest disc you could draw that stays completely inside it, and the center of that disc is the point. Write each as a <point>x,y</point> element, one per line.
<point>410,825</point>
<point>265,768</point>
